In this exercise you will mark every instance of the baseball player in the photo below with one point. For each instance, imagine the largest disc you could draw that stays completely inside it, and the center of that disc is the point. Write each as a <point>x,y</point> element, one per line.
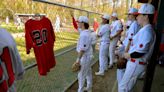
<point>132,28</point>
<point>141,48</point>
<point>84,49</point>
<point>103,33</point>
<point>11,66</point>
<point>116,29</point>
<point>93,33</point>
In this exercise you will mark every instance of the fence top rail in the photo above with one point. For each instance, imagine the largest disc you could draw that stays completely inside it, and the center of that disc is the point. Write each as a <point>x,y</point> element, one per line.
<point>22,14</point>
<point>62,5</point>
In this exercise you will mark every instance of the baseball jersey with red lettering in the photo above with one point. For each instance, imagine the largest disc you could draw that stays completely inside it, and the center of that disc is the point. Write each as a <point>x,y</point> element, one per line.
<point>39,35</point>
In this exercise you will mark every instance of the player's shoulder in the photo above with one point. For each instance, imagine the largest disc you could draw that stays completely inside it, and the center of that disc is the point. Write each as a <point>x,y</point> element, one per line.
<point>106,26</point>
<point>85,33</point>
<point>135,23</point>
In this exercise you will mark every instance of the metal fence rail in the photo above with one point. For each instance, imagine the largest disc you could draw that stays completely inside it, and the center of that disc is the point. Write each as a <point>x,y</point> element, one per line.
<point>65,6</point>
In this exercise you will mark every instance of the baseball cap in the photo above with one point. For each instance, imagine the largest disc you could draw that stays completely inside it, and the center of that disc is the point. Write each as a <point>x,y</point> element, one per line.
<point>146,9</point>
<point>83,19</point>
<point>133,11</point>
<point>106,16</point>
<point>114,14</point>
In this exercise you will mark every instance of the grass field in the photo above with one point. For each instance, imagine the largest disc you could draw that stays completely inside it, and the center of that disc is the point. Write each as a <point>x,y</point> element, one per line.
<point>58,79</point>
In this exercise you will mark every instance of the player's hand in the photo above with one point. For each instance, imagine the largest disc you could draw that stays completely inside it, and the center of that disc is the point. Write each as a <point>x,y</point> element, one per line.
<point>111,37</point>
<point>116,52</point>
<point>78,60</point>
<point>126,55</point>
<point>98,35</point>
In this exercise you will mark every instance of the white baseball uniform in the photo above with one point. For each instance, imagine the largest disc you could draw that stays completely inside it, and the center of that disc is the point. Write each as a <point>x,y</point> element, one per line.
<point>142,42</point>
<point>85,44</point>
<point>115,27</point>
<point>6,40</point>
<point>94,40</point>
<point>104,33</point>
<point>133,29</point>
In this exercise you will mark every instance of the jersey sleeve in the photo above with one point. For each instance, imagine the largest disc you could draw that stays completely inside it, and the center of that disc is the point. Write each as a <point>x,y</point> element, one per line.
<point>119,26</point>
<point>143,43</point>
<point>6,58</point>
<point>103,30</point>
<point>3,82</point>
<point>133,30</point>
<point>52,31</point>
<point>84,43</point>
<point>150,52</point>
<point>94,37</point>
<point>18,65</point>
<point>28,39</point>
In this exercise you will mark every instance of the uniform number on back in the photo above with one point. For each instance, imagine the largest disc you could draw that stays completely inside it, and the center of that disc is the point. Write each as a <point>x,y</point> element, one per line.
<point>40,36</point>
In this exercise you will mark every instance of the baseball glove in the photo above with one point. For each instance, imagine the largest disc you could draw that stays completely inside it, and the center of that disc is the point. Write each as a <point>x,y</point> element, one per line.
<point>76,67</point>
<point>121,64</point>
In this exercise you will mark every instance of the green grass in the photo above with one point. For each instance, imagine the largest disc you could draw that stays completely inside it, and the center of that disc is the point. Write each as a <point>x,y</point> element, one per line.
<point>57,79</point>
<point>11,27</point>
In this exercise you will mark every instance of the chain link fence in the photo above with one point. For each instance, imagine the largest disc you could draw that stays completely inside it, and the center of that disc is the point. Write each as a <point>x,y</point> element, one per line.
<point>18,12</point>
<point>58,11</point>
<point>60,77</point>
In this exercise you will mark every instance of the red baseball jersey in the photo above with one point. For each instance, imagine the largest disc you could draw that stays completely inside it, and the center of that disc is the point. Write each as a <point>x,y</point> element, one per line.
<point>6,59</point>
<point>40,36</point>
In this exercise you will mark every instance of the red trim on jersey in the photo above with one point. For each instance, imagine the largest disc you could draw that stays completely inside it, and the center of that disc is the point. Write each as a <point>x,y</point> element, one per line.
<point>132,60</point>
<point>3,85</point>
<point>141,63</point>
<point>6,58</point>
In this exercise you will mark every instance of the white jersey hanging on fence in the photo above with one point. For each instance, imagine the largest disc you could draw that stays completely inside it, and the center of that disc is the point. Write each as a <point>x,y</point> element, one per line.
<point>11,66</point>
<point>40,36</point>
